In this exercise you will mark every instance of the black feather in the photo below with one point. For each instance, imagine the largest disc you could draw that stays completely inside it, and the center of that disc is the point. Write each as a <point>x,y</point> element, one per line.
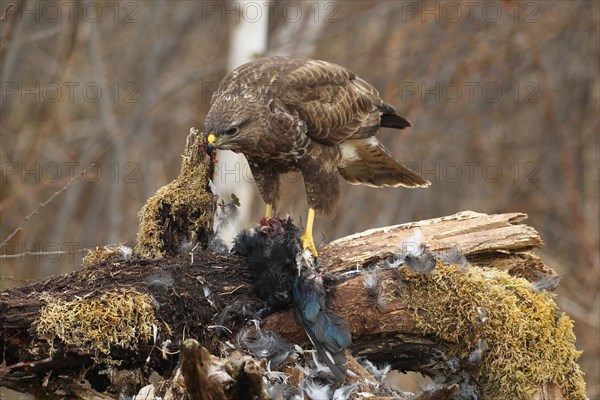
<point>271,253</point>
<point>394,121</point>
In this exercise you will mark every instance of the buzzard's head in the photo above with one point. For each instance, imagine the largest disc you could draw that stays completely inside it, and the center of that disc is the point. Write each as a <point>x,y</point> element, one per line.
<point>234,123</point>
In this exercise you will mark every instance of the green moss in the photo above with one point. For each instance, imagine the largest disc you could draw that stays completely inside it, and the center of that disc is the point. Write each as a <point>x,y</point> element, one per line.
<point>119,318</point>
<point>529,341</point>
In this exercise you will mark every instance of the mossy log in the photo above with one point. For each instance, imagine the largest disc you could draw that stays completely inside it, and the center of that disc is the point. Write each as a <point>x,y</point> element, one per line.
<point>174,308</point>
<point>181,299</point>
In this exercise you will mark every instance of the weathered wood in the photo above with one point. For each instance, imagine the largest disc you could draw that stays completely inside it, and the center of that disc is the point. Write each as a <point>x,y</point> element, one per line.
<point>498,239</point>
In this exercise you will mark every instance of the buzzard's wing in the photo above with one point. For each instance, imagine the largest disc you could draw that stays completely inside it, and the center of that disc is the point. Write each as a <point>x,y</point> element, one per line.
<point>335,104</point>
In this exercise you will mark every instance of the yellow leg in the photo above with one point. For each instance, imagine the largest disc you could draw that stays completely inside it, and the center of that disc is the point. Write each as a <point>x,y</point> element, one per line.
<point>269,211</point>
<point>307,237</point>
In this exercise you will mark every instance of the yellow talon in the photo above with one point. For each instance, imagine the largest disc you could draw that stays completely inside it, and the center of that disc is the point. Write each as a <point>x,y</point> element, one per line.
<point>269,211</point>
<point>307,237</point>
<point>212,138</point>
<point>308,243</point>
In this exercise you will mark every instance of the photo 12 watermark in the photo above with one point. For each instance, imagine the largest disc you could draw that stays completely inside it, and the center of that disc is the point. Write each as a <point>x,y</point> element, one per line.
<point>71,92</point>
<point>255,11</point>
<point>470,11</point>
<point>470,92</point>
<point>71,11</point>
<point>55,172</point>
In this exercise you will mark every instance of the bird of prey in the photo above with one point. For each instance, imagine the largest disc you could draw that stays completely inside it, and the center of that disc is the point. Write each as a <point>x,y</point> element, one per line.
<point>311,116</point>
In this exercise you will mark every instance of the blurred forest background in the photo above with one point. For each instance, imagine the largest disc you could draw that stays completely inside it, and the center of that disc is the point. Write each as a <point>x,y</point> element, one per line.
<point>504,99</point>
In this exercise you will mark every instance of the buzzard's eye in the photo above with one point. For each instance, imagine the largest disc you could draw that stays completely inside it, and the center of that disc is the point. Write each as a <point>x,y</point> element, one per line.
<point>232,131</point>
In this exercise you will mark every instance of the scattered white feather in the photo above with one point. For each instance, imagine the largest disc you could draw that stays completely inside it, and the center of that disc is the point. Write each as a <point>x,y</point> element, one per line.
<point>184,247</point>
<point>275,384</point>
<point>545,284</point>
<point>229,344</point>
<point>422,264</point>
<point>412,244</point>
<point>256,323</point>
<point>165,348</point>
<point>482,313</point>
<point>345,392</point>
<point>454,256</point>
<point>155,302</point>
<point>305,258</point>
<point>453,364</point>
<point>370,283</point>
<point>126,252</point>
<point>376,372</point>
<point>276,375</point>
<point>351,374</point>
<point>352,272</point>
<point>160,279</point>
<point>394,261</point>
<point>319,367</point>
<point>277,390</point>
<point>477,354</point>
<point>225,215</point>
<point>212,327</point>
<point>155,332</point>
<point>315,390</point>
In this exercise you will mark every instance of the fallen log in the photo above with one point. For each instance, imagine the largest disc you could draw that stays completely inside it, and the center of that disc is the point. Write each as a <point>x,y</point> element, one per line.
<point>398,324</point>
<point>482,323</point>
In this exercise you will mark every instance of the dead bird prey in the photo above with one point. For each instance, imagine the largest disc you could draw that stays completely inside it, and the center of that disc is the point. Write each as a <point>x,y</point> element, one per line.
<point>283,277</point>
<point>310,116</point>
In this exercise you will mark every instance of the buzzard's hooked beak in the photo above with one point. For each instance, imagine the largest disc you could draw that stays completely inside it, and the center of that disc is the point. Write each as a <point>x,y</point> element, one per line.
<point>219,142</point>
<point>226,139</point>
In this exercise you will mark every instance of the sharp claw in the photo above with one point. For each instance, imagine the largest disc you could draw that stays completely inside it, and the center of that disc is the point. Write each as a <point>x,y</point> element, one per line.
<point>307,237</point>
<point>308,243</point>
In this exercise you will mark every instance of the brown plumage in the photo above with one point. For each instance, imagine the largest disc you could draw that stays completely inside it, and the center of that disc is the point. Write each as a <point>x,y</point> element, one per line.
<point>313,116</point>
